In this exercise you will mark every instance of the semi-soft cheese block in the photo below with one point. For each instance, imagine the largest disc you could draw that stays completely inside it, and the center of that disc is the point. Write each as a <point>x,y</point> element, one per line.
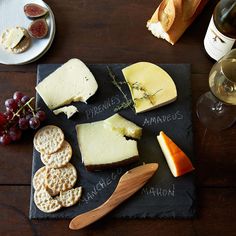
<point>124,126</point>
<point>102,148</point>
<point>73,81</point>
<point>150,86</point>
<point>177,160</point>
<point>69,111</point>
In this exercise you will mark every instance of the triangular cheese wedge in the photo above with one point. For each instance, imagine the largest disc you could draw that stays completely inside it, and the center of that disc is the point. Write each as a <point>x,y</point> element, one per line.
<point>177,160</point>
<point>150,86</point>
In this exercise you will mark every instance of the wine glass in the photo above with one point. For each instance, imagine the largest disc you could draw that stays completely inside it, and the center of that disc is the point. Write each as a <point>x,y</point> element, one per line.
<point>215,108</point>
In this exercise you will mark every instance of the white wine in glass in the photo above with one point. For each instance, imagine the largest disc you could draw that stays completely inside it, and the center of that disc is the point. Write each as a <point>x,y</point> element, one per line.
<point>222,81</point>
<point>217,109</point>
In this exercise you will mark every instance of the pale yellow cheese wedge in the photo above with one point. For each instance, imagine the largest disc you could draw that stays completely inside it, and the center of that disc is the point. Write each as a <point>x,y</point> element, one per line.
<point>124,126</point>
<point>73,81</point>
<point>150,86</point>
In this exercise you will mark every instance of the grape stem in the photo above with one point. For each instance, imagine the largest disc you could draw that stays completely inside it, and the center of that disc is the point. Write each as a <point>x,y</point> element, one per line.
<point>26,104</point>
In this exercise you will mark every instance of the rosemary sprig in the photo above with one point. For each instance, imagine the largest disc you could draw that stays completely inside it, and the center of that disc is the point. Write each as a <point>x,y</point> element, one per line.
<point>147,96</point>
<point>136,86</point>
<point>124,105</point>
<point>128,102</point>
<point>133,86</point>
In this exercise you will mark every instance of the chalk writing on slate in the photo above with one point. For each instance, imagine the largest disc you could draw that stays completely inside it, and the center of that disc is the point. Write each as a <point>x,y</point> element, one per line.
<point>159,192</point>
<point>107,104</point>
<point>153,120</point>
<point>101,185</point>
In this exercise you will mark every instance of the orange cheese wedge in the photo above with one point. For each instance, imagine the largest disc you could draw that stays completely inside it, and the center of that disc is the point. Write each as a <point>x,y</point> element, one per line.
<point>177,160</point>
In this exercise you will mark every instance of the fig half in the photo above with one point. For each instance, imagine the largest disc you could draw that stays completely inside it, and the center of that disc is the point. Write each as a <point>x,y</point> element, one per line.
<point>38,29</point>
<point>33,10</point>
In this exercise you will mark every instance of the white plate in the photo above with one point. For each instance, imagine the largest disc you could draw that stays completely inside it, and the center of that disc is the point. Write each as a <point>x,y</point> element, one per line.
<point>12,14</point>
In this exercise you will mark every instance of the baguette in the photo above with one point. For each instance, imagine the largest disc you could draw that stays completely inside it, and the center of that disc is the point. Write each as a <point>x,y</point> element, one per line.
<point>172,18</point>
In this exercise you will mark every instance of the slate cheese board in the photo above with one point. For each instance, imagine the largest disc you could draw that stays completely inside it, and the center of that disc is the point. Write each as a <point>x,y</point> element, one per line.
<point>164,196</point>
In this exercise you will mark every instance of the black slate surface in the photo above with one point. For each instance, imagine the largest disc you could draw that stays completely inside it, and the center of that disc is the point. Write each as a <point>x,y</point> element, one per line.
<point>164,196</point>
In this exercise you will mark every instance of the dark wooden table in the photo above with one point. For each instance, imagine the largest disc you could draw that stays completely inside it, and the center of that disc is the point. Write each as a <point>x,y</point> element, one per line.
<point>112,31</point>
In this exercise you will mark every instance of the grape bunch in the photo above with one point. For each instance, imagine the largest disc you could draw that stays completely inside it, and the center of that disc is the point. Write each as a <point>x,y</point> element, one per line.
<point>19,116</point>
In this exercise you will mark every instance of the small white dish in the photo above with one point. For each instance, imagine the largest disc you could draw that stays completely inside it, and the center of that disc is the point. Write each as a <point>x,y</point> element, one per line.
<point>12,14</point>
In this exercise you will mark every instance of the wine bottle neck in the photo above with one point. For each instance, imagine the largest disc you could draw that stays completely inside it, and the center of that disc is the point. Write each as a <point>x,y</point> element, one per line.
<point>229,13</point>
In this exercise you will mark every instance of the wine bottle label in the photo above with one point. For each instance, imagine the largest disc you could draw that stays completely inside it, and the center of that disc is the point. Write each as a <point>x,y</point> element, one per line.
<point>217,44</point>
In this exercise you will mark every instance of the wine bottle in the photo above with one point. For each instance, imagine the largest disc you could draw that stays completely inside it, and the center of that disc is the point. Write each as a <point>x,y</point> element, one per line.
<point>221,33</point>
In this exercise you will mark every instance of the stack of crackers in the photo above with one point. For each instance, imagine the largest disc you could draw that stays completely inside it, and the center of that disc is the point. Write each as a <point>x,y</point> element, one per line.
<point>53,183</point>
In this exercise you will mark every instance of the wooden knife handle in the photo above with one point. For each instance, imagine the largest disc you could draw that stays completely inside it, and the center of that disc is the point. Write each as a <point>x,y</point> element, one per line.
<point>89,217</point>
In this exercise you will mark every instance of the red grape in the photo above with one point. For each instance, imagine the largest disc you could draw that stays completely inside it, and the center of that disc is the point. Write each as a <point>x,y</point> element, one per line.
<point>23,123</point>
<point>5,139</point>
<point>17,96</point>
<point>15,133</point>
<point>28,116</point>
<point>15,120</point>
<point>25,99</point>
<point>34,123</point>
<point>41,115</point>
<point>20,104</point>
<point>1,131</point>
<point>11,104</point>
<point>19,116</point>
<point>8,115</point>
<point>3,119</point>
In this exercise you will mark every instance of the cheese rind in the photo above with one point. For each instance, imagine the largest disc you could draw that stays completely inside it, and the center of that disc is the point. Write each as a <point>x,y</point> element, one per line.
<point>124,126</point>
<point>177,160</point>
<point>150,86</point>
<point>69,111</point>
<point>71,82</point>
<point>102,148</point>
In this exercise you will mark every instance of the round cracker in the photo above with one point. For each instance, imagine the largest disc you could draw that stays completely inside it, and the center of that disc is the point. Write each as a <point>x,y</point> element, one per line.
<point>60,179</point>
<point>59,158</point>
<point>39,178</point>
<point>48,139</point>
<point>45,202</point>
<point>69,197</point>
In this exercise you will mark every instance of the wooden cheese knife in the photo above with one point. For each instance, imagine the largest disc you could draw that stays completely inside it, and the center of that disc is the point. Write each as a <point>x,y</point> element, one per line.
<point>129,183</point>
